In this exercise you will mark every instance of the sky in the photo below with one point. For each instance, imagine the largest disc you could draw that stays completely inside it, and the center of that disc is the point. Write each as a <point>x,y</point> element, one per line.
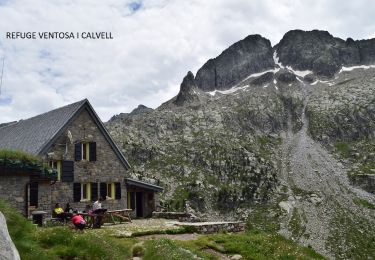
<point>155,43</point>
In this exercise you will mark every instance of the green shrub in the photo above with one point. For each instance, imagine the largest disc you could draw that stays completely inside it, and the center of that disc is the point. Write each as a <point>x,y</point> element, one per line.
<point>138,250</point>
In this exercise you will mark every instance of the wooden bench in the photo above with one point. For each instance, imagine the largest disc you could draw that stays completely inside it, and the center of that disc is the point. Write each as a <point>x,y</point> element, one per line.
<point>122,214</point>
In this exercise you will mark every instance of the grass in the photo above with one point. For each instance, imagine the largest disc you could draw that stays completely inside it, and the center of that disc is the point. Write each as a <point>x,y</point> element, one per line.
<point>21,232</point>
<point>252,245</point>
<point>61,242</point>
<point>18,155</point>
<point>65,243</point>
<point>343,149</point>
<point>364,203</point>
<point>162,249</point>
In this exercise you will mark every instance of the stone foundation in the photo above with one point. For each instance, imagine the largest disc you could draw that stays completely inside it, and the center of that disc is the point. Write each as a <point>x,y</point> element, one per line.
<point>215,227</point>
<point>170,215</point>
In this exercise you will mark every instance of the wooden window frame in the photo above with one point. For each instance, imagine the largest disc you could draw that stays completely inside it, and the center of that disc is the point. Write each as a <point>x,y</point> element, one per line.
<point>85,190</point>
<point>111,191</point>
<point>85,151</point>
<point>57,165</point>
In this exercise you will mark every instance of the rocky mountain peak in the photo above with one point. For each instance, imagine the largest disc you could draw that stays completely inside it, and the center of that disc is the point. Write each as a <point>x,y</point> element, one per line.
<point>322,53</point>
<point>140,109</point>
<point>188,90</point>
<point>250,55</point>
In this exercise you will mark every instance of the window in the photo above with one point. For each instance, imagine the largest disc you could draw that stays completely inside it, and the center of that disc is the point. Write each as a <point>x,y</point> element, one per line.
<point>85,191</point>
<point>85,151</point>
<point>57,166</point>
<point>111,190</point>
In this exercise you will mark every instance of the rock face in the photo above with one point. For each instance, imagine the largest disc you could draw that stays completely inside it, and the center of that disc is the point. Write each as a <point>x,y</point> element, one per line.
<point>137,111</point>
<point>250,55</point>
<point>8,251</point>
<point>188,90</point>
<point>140,110</point>
<point>322,53</point>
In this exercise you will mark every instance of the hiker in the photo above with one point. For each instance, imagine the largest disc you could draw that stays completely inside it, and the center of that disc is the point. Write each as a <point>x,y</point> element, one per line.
<point>99,212</point>
<point>78,221</point>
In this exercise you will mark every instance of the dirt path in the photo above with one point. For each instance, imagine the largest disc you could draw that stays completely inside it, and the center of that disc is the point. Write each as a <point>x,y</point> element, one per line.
<point>318,187</point>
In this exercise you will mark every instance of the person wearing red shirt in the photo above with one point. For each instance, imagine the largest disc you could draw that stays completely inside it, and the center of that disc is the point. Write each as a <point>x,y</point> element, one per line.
<point>78,221</point>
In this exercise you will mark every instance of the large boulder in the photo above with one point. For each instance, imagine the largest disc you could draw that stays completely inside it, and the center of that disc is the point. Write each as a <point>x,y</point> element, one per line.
<point>8,251</point>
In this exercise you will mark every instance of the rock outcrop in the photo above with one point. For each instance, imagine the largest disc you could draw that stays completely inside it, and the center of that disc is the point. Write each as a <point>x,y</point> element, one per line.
<point>250,55</point>
<point>188,90</point>
<point>8,251</point>
<point>322,53</point>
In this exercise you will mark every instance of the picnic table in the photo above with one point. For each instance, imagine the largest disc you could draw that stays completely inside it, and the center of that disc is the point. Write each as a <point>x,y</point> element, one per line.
<point>121,214</point>
<point>89,218</point>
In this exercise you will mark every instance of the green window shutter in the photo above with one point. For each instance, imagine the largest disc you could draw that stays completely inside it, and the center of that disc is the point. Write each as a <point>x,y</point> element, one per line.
<point>117,190</point>
<point>76,192</point>
<point>103,190</point>
<point>78,152</point>
<point>34,188</point>
<point>67,171</point>
<point>92,148</point>
<point>94,191</point>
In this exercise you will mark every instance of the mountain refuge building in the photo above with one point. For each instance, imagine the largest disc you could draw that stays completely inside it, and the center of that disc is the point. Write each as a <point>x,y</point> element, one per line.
<point>74,141</point>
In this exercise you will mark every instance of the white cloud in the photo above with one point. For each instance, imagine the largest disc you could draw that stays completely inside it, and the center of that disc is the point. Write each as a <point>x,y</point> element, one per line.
<point>154,46</point>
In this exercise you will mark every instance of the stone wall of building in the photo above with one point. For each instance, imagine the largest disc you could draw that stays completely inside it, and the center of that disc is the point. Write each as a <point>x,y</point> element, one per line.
<point>106,169</point>
<point>44,196</point>
<point>13,189</point>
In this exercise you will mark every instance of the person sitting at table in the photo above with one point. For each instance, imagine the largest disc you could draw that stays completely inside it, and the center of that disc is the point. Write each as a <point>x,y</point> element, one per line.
<point>68,208</point>
<point>99,211</point>
<point>88,209</point>
<point>58,212</point>
<point>78,221</point>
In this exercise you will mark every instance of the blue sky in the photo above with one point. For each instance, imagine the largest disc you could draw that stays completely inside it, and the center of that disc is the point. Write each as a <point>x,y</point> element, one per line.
<point>155,43</point>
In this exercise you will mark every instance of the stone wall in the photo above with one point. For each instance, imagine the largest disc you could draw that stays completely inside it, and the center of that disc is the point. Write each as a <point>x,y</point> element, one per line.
<point>44,196</point>
<point>108,167</point>
<point>170,215</point>
<point>215,227</point>
<point>13,189</point>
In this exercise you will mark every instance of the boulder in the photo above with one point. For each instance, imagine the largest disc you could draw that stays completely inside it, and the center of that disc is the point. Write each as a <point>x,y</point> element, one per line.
<point>8,250</point>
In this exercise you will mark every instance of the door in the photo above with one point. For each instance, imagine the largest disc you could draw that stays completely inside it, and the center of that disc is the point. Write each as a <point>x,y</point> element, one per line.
<point>33,199</point>
<point>139,204</point>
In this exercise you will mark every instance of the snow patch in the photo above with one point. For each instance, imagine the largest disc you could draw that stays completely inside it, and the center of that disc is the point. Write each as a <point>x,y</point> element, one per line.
<point>365,67</point>
<point>300,73</point>
<point>265,86</point>
<point>260,74</point>
<point>228,91</point>
<point>274,81</point>
<point>276,87</point>
<point>276,60</point>
<point>314,83</point>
